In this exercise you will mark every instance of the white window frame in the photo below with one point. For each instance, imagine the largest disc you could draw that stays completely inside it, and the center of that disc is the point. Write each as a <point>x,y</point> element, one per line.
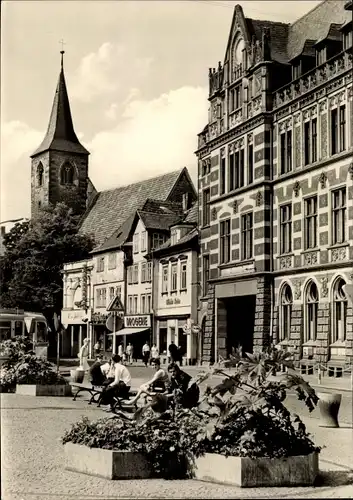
<point>339,331</point>
<point>165,278</point>
<point>174,286</point>
<point>136,241</point>
<point>183,275</point>
<point>285,313</point>
<point>100,264</point>
<point>143,241</point>
<point>311,313</point>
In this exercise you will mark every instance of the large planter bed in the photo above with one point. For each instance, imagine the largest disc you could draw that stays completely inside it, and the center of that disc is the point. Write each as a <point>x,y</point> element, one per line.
<point>43,390</point>
<point>255,472</point>
<point>106,463</point>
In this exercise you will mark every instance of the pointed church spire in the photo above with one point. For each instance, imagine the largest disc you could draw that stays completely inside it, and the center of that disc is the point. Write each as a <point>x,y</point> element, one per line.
<point>60,134</point>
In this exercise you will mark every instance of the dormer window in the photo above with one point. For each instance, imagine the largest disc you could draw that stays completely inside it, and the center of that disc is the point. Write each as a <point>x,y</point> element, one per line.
<point>296,69</point>
<point>235,100</point>
<point>348,40</point>
<point>174,237</point>
<point>320,56</point>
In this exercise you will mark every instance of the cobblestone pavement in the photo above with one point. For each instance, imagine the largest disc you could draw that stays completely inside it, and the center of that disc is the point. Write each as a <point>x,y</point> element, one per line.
<point>32,460</point>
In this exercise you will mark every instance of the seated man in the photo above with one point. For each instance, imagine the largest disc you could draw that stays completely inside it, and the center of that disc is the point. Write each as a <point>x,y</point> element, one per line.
<point>97,375</point>
<point>120,386</point>
<point>186,392</point>
<point>158,382</point>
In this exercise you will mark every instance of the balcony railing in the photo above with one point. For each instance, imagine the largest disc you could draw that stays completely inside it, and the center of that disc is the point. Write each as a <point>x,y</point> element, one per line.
<point>331,68</point>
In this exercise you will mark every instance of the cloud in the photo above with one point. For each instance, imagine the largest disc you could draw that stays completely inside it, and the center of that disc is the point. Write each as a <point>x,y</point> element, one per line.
<point>18,141</point>
<point>111,69</point>
<point>153,137</point>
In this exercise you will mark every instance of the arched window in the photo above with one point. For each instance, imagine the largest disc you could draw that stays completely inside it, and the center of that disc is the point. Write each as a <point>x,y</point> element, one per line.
<point>311,307</point>
<point>339,313</point>
<point>286,302</point>
<point>67,174</point>
<point>40,172</point>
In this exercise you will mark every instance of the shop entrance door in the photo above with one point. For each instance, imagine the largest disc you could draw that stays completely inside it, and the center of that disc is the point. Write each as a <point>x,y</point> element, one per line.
<point>240,322</point>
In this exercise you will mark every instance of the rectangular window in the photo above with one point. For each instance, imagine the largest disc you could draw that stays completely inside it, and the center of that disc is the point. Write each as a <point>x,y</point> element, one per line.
<point>143,272</point>
<point>247,236</point>
<point>206,210</point>
<point>112,260</point>
<point>231,176</point>
<point>286,152</point>
<point>314,140</point>
<point>250,164</point>
<point>286,229</point>
<point>296,70</point>
<point>174,278</point>
<point>135,304</point>
<point>339,216</point>
<point>241,168</point>
<point>100,264</point>
<point>222,176</point>
<point>225,241</point>
<point>342,133</point>
<point>118,292</point>
<point>334,132</point>
<point>321,56</point>
<point>165,279</point>
<point>143,241</point>
<point>237,97</point>
<point>206,273</point>
<point>136,240</point>
<point>129,275</point>
<point>236,170</point>
<point>143,304</point>
<point>307,141</point>
<point>310,223</point>
<point>157,240</point>
<point>148,303</point>
<point>173,237</point>
<point>149,272</point>
<point>183,267</point>
<point>129,302</point>
<point>347,40</point>
<point>111,293</point>
<point>135,274</point>
<point>101,296</point>
<point>310,141</point>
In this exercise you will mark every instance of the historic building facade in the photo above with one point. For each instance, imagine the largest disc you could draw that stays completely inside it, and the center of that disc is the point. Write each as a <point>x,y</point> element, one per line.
<point>276,189</point>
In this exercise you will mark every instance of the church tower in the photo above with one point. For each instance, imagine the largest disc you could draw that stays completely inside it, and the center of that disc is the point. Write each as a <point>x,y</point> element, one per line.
<point>59,171</point>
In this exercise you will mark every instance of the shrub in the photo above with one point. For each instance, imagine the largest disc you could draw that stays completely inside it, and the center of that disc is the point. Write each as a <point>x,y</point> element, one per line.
<point>30,370</point>
<point>169,441</point>
<point>14,349</point>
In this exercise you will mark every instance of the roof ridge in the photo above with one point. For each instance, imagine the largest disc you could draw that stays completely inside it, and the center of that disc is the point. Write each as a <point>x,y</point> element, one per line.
<point>140,182</point>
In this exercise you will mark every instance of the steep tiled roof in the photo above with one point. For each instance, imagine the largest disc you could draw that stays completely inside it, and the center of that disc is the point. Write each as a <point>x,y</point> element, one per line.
<point>279,36</point>
<point>185,239</point>
<point>315,25</point>
<point>114,206</point>
<point>158,221</point>
<point>60,134</point>
<point>162,207</point>
<point>192,214</point>
<point>119,237</point>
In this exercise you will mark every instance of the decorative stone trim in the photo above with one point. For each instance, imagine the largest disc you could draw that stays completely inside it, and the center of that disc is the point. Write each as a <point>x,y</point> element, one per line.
<point>296,189</point>
<point>322,180</point>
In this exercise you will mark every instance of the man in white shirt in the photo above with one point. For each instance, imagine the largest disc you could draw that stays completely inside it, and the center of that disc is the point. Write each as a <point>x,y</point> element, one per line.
<point>145,353</point>
<point>120,386</point>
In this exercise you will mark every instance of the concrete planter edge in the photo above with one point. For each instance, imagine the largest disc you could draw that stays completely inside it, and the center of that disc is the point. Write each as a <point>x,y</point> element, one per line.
<point>110,464</point>
<point>57,390</point>
<point>246,472</point>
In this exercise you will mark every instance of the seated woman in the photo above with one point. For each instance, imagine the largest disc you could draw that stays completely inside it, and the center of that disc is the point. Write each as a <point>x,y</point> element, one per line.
<point>158,382</point>
<point>186,392</point>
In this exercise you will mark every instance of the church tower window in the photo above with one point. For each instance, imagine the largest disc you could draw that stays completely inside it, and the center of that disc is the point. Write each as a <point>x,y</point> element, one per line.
<point>40,172</point>
<point>67,174</point>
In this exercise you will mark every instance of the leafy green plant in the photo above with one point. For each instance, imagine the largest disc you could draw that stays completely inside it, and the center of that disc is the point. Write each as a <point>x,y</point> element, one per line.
<point>30,370</point>
<point>13,349</point>
<point>168,440</point>
<point>247,409</point>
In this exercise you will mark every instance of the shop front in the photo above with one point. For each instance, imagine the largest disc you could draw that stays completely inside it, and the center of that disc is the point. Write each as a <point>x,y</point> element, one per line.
<point>177,329</point>
<point>76,323</point>
<point>100,332</point>
<point>137,330</point>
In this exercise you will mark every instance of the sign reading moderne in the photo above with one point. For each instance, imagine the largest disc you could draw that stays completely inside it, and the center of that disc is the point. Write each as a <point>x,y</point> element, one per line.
<point>137,321</point>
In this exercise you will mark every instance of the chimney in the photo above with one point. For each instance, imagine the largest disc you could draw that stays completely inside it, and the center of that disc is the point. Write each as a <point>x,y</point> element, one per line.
<point>186,201</point>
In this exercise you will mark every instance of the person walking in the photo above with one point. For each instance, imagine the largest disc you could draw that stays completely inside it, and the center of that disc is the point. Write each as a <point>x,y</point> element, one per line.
<point>130,353</point>
<point>145,353</point>
<point>121,349</point>
<point>154,353</point>
<point>83,355</point>
<point>173,351</point>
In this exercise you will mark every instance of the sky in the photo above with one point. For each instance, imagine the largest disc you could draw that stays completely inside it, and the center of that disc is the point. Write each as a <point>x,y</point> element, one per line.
<point>137,78</point>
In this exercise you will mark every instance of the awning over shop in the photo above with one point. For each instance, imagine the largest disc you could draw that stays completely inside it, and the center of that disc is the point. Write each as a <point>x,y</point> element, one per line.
<point>128,331</point>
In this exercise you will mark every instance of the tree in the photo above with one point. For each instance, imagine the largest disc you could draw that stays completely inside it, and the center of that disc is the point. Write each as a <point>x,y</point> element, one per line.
<point>30,270</point>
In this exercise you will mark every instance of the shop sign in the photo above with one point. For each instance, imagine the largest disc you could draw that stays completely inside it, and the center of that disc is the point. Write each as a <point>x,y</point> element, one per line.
<point>137,321</point>
<point>73,317</point>
<point>99,318</point>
